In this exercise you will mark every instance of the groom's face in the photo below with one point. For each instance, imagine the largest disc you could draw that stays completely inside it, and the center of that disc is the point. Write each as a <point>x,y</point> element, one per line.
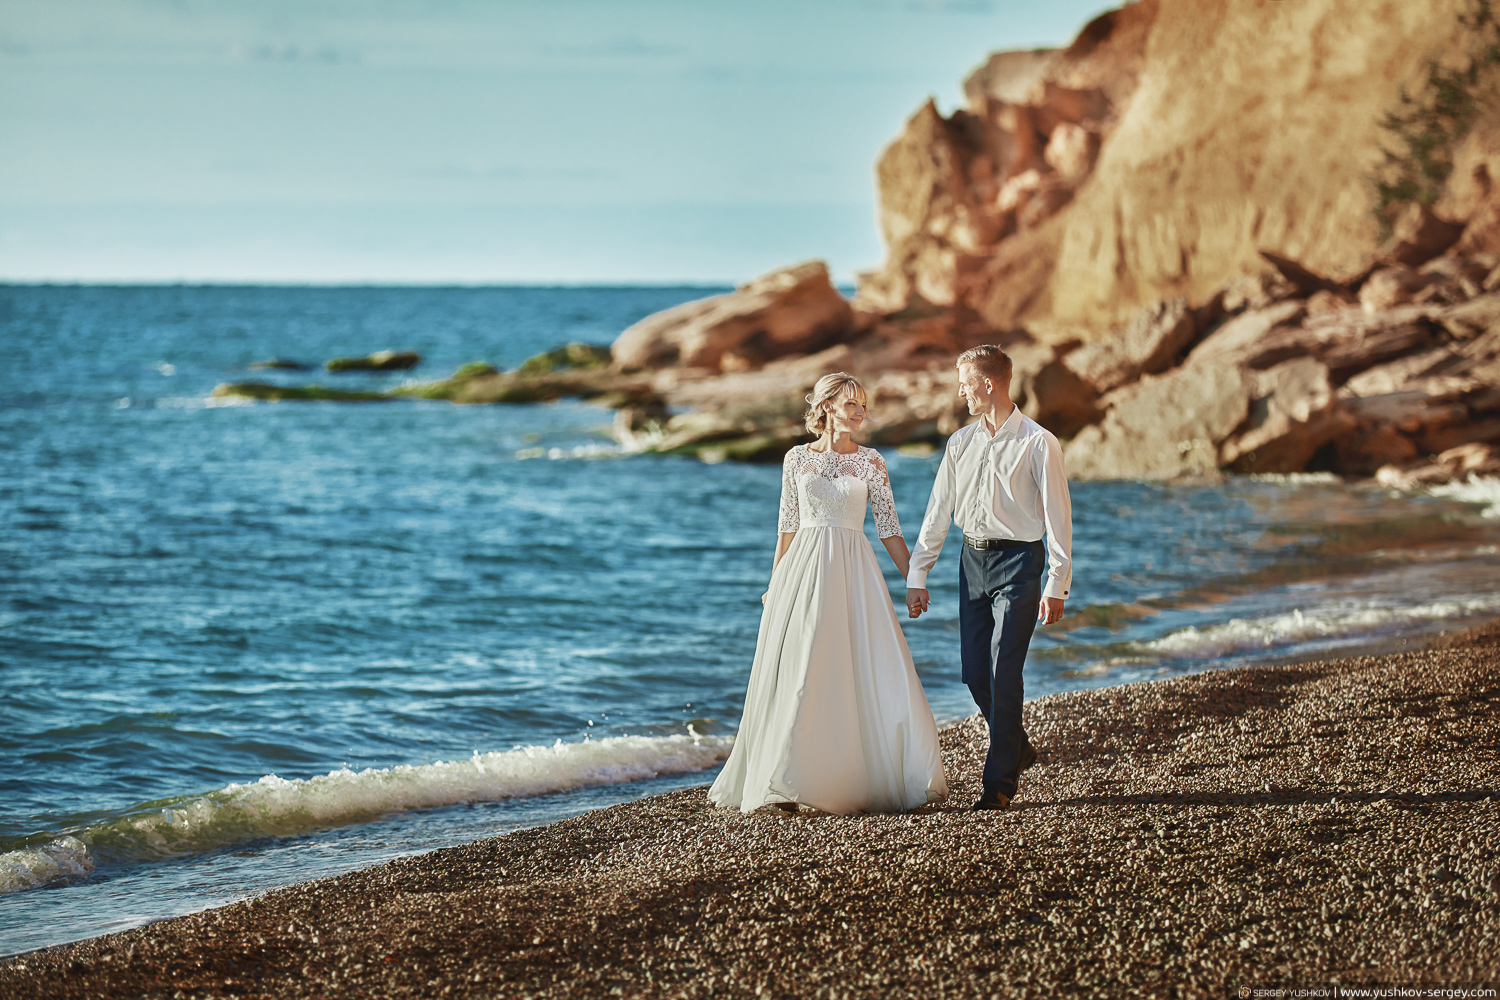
<point>976,390</point>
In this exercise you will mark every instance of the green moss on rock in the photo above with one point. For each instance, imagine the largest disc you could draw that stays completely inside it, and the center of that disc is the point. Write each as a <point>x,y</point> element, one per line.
<point>276,393</point>
<point>584,356</point>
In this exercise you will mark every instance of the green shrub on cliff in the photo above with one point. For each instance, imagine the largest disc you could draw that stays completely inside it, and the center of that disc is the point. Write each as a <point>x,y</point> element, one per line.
<point>1427,127</point>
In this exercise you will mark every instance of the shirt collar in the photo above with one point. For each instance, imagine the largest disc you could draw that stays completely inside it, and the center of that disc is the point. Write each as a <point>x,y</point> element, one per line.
<point>1009,425</point>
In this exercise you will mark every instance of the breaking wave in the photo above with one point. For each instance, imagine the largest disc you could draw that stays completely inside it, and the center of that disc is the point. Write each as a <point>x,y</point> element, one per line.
<point>279,807</point>
<point>1350,622</point>
<point>1476,489</point>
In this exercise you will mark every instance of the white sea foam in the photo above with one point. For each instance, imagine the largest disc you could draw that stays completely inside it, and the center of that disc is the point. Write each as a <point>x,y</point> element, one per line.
<point>1297,478</point>
<point>276,806</point>
<point>1476,489</point>
<point>65,857</point>
<point>1351,621</point>
<point>580,451</point>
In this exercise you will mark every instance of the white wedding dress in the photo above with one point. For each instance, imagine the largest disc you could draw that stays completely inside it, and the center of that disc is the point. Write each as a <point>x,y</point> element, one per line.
<point>835,717</point>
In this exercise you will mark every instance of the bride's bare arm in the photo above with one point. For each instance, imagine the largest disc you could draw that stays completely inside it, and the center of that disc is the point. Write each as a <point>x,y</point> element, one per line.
<point>896,546</point>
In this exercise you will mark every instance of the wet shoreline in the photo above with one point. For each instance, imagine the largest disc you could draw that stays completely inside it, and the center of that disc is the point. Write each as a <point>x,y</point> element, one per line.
<point>1333,821</point>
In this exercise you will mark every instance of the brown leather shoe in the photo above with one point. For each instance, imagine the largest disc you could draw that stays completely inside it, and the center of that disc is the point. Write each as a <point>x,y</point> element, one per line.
<point>1028,757</point>
<point>991,799</point>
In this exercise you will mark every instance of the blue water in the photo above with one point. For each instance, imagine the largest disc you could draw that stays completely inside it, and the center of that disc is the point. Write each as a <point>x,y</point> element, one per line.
<point>427,635</point>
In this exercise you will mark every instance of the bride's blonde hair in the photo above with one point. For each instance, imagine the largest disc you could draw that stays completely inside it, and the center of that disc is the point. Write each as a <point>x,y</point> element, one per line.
<point>828,387</point>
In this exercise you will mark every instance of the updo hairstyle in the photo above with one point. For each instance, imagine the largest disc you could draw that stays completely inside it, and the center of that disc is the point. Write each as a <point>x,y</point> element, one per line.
<point>828,387</point>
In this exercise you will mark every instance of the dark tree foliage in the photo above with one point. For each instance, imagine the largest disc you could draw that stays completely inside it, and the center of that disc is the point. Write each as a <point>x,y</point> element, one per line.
<point>1427,127</point>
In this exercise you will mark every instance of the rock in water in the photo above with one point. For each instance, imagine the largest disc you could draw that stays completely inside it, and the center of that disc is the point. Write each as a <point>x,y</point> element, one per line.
<point>795,310</point>
<point>277,393</point>
<point>281,363</point>
<point>380,361</point>
<point>566,356</point>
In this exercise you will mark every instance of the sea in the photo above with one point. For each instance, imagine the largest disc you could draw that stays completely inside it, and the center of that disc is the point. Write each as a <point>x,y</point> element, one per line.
<point>244,644</point>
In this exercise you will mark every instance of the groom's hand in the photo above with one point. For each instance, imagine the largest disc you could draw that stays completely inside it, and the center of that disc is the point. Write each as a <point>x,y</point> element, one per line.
<point>1050,611</point>
<point>916,602</point>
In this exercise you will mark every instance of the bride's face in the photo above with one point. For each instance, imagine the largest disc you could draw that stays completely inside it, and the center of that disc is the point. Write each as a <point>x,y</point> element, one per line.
<point>847,411</point>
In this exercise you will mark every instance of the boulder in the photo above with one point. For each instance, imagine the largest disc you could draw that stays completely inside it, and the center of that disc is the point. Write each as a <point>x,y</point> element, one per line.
<point>1419,235</point>
<point>1429,412</point>
<point>1150,343</point>
<point>1473,459</point>
<point>1370,447</point>
<point>777,387</point>
<point>1164,426</point>
<point>1391,286</point>
<point>1014,77</point>
<point>1373,347</point>
<point>914,406</point>
<point>1307,282</point>
<point>791,311</point>
<point>1240,336</point>
<point>1472,318</point>
<point>279,363</point>
<point>1071,151</point>
<point>1347,341</point>
<point>1257,290</point>
<point>1438,399</point>
<point>380,361</point>
<point>1293,413</point>
<point>1060,401</point>
<point>1325,302</point>
<point>1050,392</point>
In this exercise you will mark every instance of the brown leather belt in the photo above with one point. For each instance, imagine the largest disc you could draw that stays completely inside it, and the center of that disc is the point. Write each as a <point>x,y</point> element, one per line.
<point>995,543</point>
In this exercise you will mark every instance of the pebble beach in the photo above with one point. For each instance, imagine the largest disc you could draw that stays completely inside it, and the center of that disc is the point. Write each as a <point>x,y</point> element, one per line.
<point>1290,826</point>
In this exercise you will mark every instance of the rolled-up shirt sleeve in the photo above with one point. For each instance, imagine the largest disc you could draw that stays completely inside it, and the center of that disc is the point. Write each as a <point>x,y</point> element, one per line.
<point>935,523</point>
<point>1057,515</point>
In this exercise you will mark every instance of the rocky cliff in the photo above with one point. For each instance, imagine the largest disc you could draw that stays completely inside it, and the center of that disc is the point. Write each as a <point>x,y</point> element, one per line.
<point>1252,235</point>
<point>1157,155</point>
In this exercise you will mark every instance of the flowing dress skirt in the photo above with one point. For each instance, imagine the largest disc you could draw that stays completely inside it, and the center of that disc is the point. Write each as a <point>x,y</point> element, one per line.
<point>835,717</point>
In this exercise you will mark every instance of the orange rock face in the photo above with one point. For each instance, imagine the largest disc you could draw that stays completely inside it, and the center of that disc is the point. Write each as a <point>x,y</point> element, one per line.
<point>1214,235</point>
<point>1153,159</point>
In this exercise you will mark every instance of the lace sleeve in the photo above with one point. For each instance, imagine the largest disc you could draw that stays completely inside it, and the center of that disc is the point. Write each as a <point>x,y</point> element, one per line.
<point>882,502</point>
<point>790,517</point>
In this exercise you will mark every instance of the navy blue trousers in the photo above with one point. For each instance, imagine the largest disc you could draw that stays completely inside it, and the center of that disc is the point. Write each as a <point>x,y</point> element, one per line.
<point>999,592</point>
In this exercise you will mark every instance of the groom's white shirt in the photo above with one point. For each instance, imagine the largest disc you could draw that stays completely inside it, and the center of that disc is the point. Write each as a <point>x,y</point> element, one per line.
<point>1007,485</point>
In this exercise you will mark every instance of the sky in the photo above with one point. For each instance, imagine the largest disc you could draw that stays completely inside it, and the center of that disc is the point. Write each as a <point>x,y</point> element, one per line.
<point>468,141</point>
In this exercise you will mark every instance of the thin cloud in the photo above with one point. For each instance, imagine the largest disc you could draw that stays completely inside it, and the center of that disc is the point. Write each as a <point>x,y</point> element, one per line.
<point>290,52</point>
<point>617,48</point>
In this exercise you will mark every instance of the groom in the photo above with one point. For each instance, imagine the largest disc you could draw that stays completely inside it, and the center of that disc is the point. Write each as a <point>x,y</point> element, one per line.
<point>1002,482</point>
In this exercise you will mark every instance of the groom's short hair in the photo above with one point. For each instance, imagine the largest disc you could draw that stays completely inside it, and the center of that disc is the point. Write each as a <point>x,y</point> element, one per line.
<point>990,361</point>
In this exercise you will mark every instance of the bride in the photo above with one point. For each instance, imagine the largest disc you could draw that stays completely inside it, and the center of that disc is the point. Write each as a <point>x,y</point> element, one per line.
<point>835,718</point>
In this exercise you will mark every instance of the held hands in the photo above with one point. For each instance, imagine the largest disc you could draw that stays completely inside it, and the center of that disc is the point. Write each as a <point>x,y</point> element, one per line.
<point>1051,608</point>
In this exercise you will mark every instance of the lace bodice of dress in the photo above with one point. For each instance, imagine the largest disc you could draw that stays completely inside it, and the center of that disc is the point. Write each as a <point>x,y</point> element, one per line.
<point>825,486</point>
